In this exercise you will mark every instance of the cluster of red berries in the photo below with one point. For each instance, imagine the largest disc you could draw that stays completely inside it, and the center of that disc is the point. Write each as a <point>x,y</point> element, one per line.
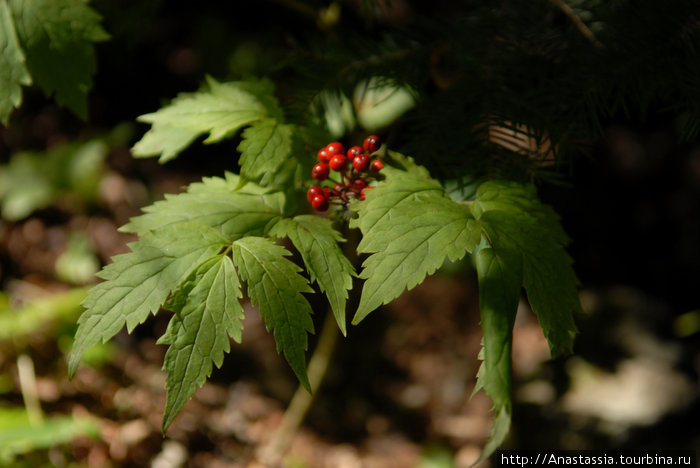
<point>354,167</point>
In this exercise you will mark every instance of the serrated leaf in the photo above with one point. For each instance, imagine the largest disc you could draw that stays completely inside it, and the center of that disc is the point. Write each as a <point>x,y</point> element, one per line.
<point>138,283</point>
<point>514,218</point>
<point>411,227</point>
<point>400,188</point>
<point>521,201</point>
<point>499,431</point>
<point>219,110</point>
<point>267,153</point>
<point>317,241</point>
<point>522,245</point>
<point>207,313</point>
<point>407,164</point>
<point>57,37</point>
<point>164,140</point>
<point>275,285</point>
<point>216,203</point>
<point>500,280</point>
<point>13,68</point>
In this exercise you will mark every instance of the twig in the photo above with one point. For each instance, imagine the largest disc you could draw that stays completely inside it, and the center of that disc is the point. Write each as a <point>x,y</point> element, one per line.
<point>580,25</point>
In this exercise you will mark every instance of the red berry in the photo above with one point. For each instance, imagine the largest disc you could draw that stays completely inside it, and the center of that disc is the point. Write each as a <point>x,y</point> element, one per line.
<point>323,155</point>
<point>314,191</point>
<point>359,183</point>
<point>362,192</point>
<point>337,188</point>
<point>371,144</point>
<point>326,192</point>
<point>319,203</point>
<point>338,162</point>
<point>361,162</point>
<point>376,166</point>
<point>354,151</point>
<point>335,148</point>
<point>320,171</point>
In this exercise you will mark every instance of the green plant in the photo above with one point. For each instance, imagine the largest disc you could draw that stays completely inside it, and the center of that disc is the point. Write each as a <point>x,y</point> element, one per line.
<point>24,430</point>
<point>19,435</point>
<point>198,249</point>
<point>50,43</point>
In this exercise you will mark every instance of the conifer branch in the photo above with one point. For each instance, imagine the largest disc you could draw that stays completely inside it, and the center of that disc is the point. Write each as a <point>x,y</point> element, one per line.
<point>580,25</point>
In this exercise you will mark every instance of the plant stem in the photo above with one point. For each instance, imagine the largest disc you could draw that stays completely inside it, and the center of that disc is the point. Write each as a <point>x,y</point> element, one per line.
<point>279,442</point>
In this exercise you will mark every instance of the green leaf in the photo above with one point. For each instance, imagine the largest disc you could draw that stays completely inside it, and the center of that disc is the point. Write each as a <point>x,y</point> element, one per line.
<point>164,140</point>
<point>268,153</point>
<point>13,68</point>
<point>499,431</point>
<point>520,201</point>
<point>216,203</point>
<point>221,109</point>
<point>276,286</point>
<point>407,164</point>
<point>57,37</point>
<point>207,312</point>
<point>138,283</point>
<point>317,241</point>
<point>400,188</point>
<point>522,245</point>
<point>411,227</point>
<point>513,218</point>
<point>500,281</point>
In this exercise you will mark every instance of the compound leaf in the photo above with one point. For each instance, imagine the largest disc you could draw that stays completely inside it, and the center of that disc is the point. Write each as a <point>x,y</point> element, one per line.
<point>513,218</point>
<point>276,286</point>
<point>138,283</point>
<point>206,313</point>
<point>220,110</point>
<point>215,202</point>
<point>57,37</point>
<point>13,68</point>
<point>522,245</point>
<point>317,241</point>
<point>410,226</point>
